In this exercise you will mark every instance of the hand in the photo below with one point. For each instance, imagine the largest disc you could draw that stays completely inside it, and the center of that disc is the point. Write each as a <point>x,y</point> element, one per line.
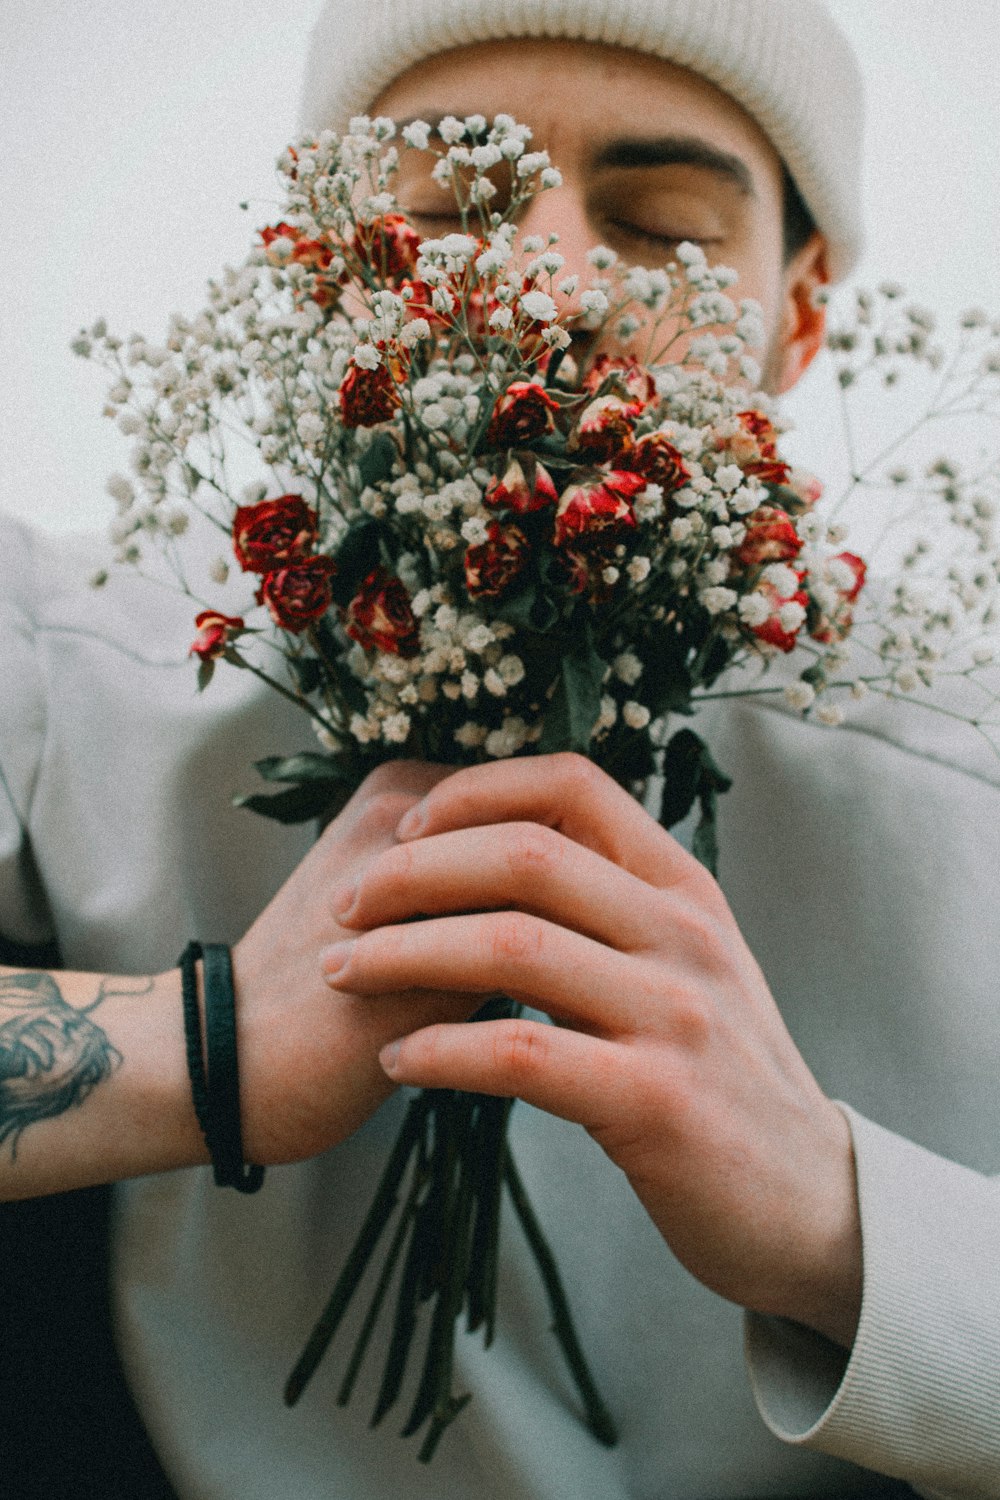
<point>309,1069</point>
<point>542,879</point>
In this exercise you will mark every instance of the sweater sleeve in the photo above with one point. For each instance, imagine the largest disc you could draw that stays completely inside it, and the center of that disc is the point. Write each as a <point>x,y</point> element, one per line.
<point>23,914</point>
<point>918,1397</point>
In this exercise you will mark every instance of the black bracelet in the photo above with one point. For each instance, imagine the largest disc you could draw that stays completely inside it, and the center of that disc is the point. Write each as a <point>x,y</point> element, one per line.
<point>215,1091</point>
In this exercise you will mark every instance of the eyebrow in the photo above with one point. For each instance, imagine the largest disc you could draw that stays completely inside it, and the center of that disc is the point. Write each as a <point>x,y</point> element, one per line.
<point>675,151</point>
<point>651,151</point>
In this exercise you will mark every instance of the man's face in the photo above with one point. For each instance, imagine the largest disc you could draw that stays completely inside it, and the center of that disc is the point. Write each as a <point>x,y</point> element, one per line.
<point>650,155</point>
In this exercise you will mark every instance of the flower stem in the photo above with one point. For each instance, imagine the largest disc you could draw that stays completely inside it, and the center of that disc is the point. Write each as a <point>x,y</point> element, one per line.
<point>598,1418</point>
<point>378,1215</point>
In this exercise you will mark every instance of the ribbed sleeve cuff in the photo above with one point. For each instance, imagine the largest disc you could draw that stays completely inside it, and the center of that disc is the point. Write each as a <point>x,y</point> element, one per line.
<point>918,1397</point>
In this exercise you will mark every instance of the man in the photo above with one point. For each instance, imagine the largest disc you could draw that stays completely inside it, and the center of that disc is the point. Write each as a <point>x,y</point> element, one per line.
<point>873,1335</point>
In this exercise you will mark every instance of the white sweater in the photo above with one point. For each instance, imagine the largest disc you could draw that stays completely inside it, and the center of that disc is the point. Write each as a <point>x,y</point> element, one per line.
<point>862,864</point>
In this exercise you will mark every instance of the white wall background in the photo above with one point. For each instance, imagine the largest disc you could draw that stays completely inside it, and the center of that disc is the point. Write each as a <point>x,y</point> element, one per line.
<point>132,132</point>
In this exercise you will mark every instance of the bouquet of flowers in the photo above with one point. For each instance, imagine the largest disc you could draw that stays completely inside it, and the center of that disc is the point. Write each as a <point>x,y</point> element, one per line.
<point>473,527</point>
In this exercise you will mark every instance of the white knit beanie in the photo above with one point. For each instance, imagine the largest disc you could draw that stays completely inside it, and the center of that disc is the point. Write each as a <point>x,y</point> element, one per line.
<point>784,61</point>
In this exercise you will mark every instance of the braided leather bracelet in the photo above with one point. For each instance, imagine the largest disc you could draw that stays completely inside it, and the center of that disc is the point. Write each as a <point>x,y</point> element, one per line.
<point>215,1082</point>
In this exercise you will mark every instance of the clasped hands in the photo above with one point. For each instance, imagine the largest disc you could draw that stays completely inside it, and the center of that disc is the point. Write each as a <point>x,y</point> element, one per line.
<point>543,880</point>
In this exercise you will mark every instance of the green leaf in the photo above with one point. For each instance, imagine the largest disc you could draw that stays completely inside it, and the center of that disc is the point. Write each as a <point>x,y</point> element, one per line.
<point>378,460</point>
<point>307,671</point>
<point>308,765</point>
<point>576,703</point>
<point>297,804</point>
<point>681,769</point>
<point>358,553</point>
<point>690,773</point>
<point>528,608</point>
<point>705,844</point>
<point>206,671</point>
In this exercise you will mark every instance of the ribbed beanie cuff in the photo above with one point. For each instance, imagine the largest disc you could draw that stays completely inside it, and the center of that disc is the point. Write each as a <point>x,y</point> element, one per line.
<point>784,61</point>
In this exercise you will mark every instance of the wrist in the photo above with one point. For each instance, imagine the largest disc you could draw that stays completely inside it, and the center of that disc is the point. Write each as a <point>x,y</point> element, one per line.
<point>826,1294</point>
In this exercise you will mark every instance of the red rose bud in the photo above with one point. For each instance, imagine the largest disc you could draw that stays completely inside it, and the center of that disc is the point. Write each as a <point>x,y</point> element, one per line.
<point>419,305</point>
<point>637,380</point>
<point>604,428</point>
<point>658,461</point>
<point>273,532</point>
<point>834,627</point>
<point>389,246</point>
<point>367,396</point>
<point>492,567</point>
<point>298,594</point>
<point>215,631</point>
<point>596,513</point>
<point>311,253</point>
<point>772,630</point>
<point>768,470</point>
<point>762,430</point>
<point>805,486</point>
<point>770,537</point>
<point>523,413</point>
<point>519,493</point>
<point>859,568</point>
<point>380,616</point>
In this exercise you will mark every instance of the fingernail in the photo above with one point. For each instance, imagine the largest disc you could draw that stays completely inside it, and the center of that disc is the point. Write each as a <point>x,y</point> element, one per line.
<point>412,823</point>
<point>343,899</point>
<point>334,960</point>
<point>389,1056</point>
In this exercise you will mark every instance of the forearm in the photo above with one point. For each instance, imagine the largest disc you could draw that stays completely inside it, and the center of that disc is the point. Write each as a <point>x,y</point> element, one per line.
<point>93,1081</point>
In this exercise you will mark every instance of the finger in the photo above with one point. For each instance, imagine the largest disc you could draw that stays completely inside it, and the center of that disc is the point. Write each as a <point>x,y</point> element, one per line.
<point>509,952</point>
<point>375,808</point>
<point>523,865</point>
<point>566,1073</point>
<point>565,792</point>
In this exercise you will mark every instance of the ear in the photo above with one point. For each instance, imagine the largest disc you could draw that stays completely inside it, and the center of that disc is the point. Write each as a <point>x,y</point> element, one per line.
<point>803,320</point>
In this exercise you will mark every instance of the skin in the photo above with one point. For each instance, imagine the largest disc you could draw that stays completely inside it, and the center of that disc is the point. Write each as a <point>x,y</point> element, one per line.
<point>539,878</point>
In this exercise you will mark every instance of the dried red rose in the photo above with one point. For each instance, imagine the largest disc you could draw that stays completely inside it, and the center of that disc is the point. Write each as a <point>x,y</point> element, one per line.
<point>755,448</point>
<point>311,253</point>
<point>597,513</point>
<point>492,566</point>
<point>772,631</point>
<point>523,413</point>
<point>604,428</point>
<point>215,631</point>
<point>520,491</point>
<point>834,627</point>
<point>388,245</point>
<point>770,537</point>
<point>380,616</point>
<point>367,396</point>
<point>762,430</point>
<point>273,532</point>
<point>419,304</point>
<point>637,380</point>
<point>298,594</point>
<point>658,461</point>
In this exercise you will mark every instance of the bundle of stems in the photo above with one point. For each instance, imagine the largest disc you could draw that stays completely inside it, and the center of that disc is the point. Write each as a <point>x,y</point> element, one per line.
<point>443,1184</point>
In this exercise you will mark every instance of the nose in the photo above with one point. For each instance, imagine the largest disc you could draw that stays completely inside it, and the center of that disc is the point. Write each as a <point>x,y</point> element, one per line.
<point>563,211</point>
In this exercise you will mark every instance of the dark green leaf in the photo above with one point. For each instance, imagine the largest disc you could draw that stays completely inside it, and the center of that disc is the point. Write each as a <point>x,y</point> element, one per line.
<point>378,460</point>
<point>307,671</point>
<point>296,804</point>
<point>576,703</point>
<point>358,553</point>
<point>206,671</point>
<point>689,772</point>
<point>705,844</point>
<point>308,765</point>
<point>681,770</point>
